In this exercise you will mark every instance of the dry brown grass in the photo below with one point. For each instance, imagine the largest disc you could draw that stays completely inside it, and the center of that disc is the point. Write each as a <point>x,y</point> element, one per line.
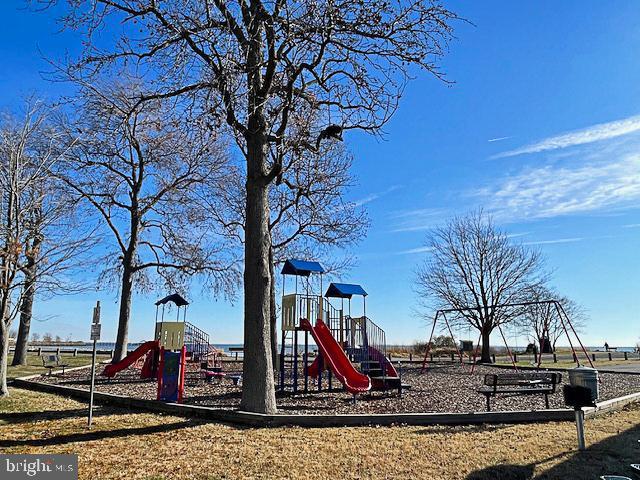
<point>142,446</point>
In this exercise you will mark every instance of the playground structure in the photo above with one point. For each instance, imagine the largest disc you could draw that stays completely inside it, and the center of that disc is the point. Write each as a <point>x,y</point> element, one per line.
<point>565,322</point>
<point>165,357</point>
<point>342,339</point>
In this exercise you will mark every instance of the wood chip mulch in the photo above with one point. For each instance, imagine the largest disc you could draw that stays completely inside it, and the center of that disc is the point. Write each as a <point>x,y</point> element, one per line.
<point>443,388</point>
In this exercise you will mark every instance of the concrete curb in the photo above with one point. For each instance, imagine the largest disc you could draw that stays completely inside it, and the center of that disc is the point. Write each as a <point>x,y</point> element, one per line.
<point>612,405</point>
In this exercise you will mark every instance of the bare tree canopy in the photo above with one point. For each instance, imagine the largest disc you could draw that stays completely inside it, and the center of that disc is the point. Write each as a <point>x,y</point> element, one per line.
<point>254,65</point>
<point>37,241</point>
<point>143,169</point>
<point>57,245</point>
<point>473,265</point>
<point>542,321</point>
<point>310,215</point>
<point>309,208</point>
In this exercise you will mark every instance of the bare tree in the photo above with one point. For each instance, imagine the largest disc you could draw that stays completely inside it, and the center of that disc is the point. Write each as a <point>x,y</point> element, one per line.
<point>252,65</point>
<point>55,250</point>
<point>542,320</point>
<point>143,169</point>
<point>473,265</point>
<point>27,152</point>
<point>310,216</point>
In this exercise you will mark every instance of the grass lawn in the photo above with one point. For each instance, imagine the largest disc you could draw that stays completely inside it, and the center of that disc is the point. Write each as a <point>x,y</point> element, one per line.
<point>149,446</point>
<point>34,364</point>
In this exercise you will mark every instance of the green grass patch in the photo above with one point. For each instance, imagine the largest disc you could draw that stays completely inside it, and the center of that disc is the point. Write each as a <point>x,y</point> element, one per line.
<point>34,364</point>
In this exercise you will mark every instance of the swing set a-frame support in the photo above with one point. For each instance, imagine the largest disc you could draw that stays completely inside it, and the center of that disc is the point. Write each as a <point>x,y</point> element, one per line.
<point>565,322</point>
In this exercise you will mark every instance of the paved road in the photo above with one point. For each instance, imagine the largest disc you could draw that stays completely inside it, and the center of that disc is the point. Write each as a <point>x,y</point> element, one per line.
<point>632,367</point>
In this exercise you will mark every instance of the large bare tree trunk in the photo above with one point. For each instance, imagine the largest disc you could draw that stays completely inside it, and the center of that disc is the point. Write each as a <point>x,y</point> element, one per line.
<point>258,384</point>
<point>4,356</point>
<point>274,313</point>
<point>26,307</point>
<point>122,339</point>
<point>485,356</point>
<point>26,312</point>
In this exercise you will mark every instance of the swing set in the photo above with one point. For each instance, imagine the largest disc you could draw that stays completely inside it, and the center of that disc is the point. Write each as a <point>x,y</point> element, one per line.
<point>565,322</point>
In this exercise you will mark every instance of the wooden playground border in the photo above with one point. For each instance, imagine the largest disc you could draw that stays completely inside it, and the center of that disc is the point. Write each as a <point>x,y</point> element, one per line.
<point>247,419</point>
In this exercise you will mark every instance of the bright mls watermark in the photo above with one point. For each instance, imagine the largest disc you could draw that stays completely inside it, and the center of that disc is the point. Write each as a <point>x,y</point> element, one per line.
<point>44,466</point>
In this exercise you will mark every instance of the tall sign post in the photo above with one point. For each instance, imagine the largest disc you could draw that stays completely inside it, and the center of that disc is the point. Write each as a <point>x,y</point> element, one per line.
<point>95,336</point>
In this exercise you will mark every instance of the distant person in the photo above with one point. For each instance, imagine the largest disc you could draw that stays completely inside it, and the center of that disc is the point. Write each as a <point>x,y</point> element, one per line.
<point>606,346</point>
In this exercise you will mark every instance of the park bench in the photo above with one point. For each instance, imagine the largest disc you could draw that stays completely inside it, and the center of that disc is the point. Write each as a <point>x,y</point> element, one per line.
<point>53,361</point>
<point>529,383</point>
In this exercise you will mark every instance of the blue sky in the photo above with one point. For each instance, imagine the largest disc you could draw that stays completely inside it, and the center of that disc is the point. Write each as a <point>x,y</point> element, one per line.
<point>541,129</point>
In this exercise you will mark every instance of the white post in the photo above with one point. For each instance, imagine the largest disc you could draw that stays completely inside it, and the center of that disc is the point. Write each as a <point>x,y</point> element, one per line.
<point>93,377</point>
<point>580,428</point>
<point>95,336</point>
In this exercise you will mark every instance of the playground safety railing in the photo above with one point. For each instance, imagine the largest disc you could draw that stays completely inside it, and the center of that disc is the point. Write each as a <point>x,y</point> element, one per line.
<point>296,306</point>
<point>196,341</point>
<point>366,340</point>
<point>335,320</point>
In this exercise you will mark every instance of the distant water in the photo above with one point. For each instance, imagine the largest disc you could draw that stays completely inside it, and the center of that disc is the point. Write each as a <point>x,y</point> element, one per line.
<point>226,346</point>
<point>577,347</point>
<point>88,346</point>
<point>132,346</point>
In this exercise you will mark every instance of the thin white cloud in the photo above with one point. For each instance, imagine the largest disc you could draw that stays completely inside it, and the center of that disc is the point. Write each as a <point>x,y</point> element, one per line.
<point>497,139</point>
<point>416,220</point>
<point>632,225</point>
<point>594,133</point>
<point>552,190</point>
<point>374,196</point>
<point>557,240</point>
<point>415,250</point>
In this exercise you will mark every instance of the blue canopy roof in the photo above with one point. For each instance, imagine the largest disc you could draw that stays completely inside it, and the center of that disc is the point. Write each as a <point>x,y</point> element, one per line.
<point>344,290</point>
<point>301,268</point>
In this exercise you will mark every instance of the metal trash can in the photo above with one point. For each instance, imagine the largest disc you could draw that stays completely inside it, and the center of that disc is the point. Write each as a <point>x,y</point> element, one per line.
<point>583,391</point>
<point>585,377</point>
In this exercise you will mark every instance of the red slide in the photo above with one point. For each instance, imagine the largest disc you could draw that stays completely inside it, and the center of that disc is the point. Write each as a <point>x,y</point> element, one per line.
<point>334,357</point>
<point>111,370</point>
